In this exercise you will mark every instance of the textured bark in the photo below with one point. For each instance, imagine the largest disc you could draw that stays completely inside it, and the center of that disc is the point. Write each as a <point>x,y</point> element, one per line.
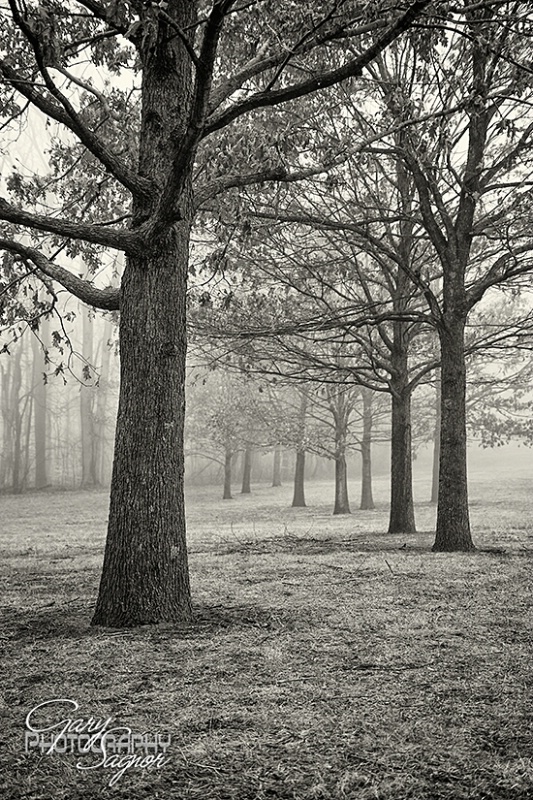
<point>228,458</point>
<point>298,499</point>
<point>342,505</point>
<point>453,522</point>
<point>367,500</point>
<point>246,471</point>
<point>145,576</point>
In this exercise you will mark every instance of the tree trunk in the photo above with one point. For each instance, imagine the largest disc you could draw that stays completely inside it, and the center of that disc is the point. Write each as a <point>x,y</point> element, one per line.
<point>298,499</point>
<point>342,505</point>
<point>367,500</point>
<point>228,458</point>
<point>402,515</point>
<point>145,575</point>
<point>436,443</point>
<point>276,466</point>
<point>453,522</point>
<point>39,409</point>
<point>246,471</point>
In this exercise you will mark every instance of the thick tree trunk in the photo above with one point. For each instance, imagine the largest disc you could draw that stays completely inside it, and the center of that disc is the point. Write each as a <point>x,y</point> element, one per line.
<point>246,471</point>
<point>342,505</point>
<point>402,515</point>
<point>145,575</point>
<point>436,444</point>
<point>228,459</point>
<point>298,499</point>
<point>367,500</point>
<point>453,522</point>
<point>276,466</point>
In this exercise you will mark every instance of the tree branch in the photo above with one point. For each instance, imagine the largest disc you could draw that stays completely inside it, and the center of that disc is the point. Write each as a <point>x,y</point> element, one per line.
<point>108,237</point>
<point>166,210</point>
<point>106,299</point>
<point>499,273</point>
<point>351,69</point>
<point>130,179</point>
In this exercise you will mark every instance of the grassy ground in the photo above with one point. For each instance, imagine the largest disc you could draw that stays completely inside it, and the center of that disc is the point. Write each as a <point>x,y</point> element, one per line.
<point>324,662</point>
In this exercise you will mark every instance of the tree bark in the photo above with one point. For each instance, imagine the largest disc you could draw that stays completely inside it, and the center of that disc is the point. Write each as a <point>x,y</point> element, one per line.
<point>145,576</point>
<point>436,444</point>
<point>276,466</point>
<point>367,500</point>
<point>453,522</point>
<point>342,505</point>
<point>298,499</point>
<point>246,471</point>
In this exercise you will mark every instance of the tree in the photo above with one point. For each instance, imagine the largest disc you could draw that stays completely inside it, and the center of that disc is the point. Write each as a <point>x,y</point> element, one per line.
<point>202,71</point>
<point>337,263</point>
<point>226,416</point>
<point>367,498</point>
<point>467,143</point>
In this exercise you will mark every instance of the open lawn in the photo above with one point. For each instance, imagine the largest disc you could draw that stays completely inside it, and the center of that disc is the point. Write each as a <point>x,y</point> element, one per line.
<point>324,662</point>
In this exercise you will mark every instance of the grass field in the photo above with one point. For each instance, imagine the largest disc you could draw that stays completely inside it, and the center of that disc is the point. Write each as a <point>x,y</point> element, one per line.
<point>324,661</point>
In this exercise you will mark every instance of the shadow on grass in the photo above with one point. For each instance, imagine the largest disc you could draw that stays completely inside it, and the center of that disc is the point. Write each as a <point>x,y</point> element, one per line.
<point>373,541</point>
<point>55,622</point>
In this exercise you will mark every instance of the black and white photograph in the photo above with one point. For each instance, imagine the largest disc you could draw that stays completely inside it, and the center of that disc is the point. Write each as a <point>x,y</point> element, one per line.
<point>266,394</point>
